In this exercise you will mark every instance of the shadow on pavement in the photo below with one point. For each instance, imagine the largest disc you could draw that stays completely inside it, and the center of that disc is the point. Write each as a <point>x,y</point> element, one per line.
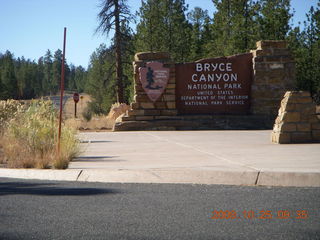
<point>49,189</point>
<point>94,141</point>
<point>97,159</point>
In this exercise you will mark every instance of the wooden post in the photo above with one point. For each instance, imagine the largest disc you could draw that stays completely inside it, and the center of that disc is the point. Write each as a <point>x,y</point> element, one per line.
<point>62,87</point>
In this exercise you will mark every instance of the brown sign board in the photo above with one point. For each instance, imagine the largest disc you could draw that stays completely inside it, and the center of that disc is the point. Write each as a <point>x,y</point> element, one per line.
<point>154,79</point>
<point>214,86</point>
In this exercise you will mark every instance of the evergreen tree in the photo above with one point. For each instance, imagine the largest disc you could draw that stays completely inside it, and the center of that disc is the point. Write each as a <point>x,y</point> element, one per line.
<point>112,13</point>
<point>56,72</point>
<point>47,82</point>
<point>101,81</point>
<point>163,27</point>
<point>305,46</point>
<point>274,19</point>
<point>80,78</point>
<point>200,34</point>
<point>9,84</point>
<point>234,29</point>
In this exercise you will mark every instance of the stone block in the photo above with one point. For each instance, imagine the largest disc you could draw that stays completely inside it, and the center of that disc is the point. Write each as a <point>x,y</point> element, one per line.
<point>260,66</point>
<point>281,52</point>
<point>261,52</point>
<point>169,98</point>
<point>303,127</point>
<point>282,138</point>
<point>276,66</point>
<point>274,80</point>
<point>170,91</point>
<point>316,135</point>
<point>313,118</point>
<point>135,105</point>
<point>301,137</point>
<point>141,98</point>
<point>171,86</point>
<point>127,118</point>
<point>287,58</point>
<point>315,126</point>
<point>151,112</point>
<point>271,44</point>
<point>171,105</point>
<point>258,59</point>
<point>272,58</point>
<point>305,100</point>
<point>136,79</point>
<point>170,112</point>
<point>291,117</point>
<point>172,81</point>
<point>160,105</point>
<point>299,93</point>
<point>144,118</point>
<point>288,127</point>
<point>152,56</point>
<point>135,113</point>
<point>147,105</point>
<point>287,107</point>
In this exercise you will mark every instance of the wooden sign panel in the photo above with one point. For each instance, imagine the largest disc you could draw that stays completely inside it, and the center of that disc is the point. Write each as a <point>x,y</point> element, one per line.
<point>214,86</point>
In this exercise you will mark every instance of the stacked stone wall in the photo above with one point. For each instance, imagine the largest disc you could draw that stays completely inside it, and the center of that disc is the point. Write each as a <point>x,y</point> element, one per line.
<point>297,121</point>
<point>274,74</point>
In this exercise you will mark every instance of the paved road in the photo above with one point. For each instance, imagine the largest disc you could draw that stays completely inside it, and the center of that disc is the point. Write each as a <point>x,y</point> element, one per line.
<point>31,209</point>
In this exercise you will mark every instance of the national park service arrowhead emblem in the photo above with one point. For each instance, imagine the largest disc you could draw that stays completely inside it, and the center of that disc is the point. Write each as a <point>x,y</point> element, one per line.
<point>154,79</point>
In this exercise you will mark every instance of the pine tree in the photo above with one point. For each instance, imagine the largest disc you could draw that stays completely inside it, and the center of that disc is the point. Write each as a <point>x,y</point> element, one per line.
<point>163,27</point>
<point>9,84</point>
<point>234,29</point>
<point>101,82</point>
<point>112,13</point>
<point>56,72</point>
<point>200,34</point>
<point>47,80</point>
<point>274,19</point>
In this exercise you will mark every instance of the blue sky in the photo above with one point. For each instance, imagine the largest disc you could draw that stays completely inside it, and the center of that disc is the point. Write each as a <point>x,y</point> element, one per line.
<point>29,27</point>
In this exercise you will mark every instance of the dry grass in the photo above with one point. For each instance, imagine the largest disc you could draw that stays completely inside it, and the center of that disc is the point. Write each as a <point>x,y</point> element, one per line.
<point>30,139</point>
<point>101,122</point>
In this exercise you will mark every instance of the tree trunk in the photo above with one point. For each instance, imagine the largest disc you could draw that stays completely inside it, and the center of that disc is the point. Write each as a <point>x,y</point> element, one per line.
<point>120,92</point>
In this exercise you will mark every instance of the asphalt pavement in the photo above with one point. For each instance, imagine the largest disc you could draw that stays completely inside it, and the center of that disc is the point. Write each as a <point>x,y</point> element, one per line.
<point>33,209</point>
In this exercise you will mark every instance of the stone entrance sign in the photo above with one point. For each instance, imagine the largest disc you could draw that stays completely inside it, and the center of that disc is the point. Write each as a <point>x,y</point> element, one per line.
<point>237,92</point>
<point>215,86</point>
<point>154,79</point>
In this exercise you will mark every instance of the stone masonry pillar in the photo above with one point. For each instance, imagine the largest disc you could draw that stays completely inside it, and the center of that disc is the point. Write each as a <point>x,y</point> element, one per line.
<point>274,74</point>
<point>142,108</point>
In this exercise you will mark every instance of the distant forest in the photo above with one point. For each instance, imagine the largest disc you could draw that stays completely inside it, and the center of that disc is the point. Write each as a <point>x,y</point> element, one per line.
<point>168,25</point>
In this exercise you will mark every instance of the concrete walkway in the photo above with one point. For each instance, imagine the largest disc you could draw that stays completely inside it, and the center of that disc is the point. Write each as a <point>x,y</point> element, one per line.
<point>200,157</point>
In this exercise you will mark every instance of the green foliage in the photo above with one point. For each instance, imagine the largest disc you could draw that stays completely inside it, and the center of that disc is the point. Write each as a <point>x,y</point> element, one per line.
<point>274,19</point>
<point>163,27</point>
<point>25,79</point>
<point>305,46</point>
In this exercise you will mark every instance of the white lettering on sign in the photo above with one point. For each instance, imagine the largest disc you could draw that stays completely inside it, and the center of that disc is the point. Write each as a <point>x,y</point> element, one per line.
<point>211,67</point>
<point>215,77</point>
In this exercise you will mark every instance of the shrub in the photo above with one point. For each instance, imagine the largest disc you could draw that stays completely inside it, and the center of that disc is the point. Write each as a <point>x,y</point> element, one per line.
<point>9,109</point>
<point>31,138</point>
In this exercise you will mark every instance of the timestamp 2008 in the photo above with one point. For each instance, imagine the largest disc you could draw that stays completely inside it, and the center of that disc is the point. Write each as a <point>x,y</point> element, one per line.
<point>261,214</point>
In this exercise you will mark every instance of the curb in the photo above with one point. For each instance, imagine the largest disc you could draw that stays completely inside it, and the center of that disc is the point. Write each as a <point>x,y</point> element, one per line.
<point>182,176</point>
